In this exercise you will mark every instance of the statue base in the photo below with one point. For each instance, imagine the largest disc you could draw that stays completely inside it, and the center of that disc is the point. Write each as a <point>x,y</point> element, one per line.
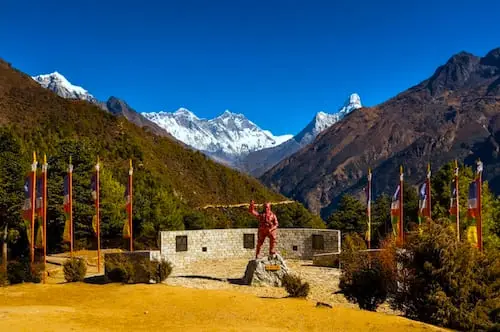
<point>267,271</point>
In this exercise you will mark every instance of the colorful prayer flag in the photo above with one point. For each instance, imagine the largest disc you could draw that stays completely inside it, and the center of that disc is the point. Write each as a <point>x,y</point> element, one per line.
<point>453,200</point>
<point>67,208</point>
<point>395,212</point>
<point>28,189</point>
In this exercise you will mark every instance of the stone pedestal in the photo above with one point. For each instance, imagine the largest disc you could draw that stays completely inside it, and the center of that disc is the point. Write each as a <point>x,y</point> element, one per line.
<point>268,271</point>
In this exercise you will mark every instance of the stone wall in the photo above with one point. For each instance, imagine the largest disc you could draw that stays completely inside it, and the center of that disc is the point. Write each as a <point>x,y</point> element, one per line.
<point>181,247</point>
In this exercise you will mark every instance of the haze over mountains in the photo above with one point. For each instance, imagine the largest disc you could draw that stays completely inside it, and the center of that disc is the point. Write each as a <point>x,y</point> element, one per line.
<point>454,114</point>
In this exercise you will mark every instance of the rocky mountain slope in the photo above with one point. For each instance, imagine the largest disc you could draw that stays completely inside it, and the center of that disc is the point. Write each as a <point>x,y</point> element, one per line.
<point>256,163</point>
<point>453,114</point>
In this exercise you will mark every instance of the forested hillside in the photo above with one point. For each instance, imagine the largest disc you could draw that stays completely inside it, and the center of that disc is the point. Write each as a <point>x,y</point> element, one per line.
<point>170,181</point>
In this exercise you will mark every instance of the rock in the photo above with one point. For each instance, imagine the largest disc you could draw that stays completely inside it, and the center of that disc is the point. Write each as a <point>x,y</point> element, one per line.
<point>323,305</point>
<point>268,271</point>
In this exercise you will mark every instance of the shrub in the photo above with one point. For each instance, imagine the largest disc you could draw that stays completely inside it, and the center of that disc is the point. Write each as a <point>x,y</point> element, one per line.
<point>22,271</point>
<point>74,269</point>
<point>294,286</point>
<point>446,282</point>
<point>157,270</point>
<point>119,269</point>
<point>366,278</point>
<point>4,280</point>
<point>17,272</point>
<point>164,270</point>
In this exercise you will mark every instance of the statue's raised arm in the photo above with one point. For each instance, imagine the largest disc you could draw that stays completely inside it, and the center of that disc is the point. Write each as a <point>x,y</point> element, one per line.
<point>252,209</point>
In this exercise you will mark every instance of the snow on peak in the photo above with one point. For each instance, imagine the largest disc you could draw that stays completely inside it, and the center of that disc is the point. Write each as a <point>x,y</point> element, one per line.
<point>324,120</point>
<point>352,103</point>
<point>229,133</point>
<point>57,83</point>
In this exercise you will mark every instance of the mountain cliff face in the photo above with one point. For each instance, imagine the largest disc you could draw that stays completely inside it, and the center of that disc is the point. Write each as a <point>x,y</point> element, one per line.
<point>256,163</point>
<point>453,114</point>
<point>226,138</point>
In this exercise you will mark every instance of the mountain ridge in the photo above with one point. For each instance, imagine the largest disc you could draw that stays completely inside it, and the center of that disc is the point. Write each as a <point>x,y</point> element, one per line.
<point>258,162</point>
<point>455,113</point>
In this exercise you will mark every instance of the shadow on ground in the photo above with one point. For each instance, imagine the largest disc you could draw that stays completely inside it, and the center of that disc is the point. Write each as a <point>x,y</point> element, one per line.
<point>96,280</point>
<point>234,281</point>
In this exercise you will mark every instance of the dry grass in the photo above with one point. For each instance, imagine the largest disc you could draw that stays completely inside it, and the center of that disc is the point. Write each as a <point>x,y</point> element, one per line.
<point>113,307</point>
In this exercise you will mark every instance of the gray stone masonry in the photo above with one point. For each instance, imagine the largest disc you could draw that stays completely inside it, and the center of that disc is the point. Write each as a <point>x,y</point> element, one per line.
<point>293,243</point>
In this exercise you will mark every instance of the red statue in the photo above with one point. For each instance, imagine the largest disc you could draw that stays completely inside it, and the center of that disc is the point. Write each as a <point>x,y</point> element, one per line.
<point>268,224</point>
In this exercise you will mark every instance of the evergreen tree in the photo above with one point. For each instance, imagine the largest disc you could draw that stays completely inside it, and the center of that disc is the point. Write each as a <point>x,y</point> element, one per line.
<point>350,216</point>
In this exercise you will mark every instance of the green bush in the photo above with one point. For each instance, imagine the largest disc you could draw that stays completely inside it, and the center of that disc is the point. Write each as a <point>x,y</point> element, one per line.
<point>366,278</point>
<point>17,272</point>
<point>164,270</point>
<point>119,269</point>
<point>294,286</point>
<point>22,271</point>
<point>74,269</point>
<point>157,271</point>
<point>4,280</point>
<point>448,283</point>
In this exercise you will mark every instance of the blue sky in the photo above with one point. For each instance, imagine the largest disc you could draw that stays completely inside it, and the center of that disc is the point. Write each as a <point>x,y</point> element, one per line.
<point>277,62</point>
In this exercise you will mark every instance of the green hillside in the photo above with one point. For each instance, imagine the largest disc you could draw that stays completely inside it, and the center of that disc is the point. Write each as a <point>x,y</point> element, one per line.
<point>170,181</point>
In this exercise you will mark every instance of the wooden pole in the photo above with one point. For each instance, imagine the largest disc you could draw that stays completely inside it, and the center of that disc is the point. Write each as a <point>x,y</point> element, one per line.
<point>401,229</point>
<point>479,203</point>
<point>70,189</point>
<point>44,215</point>
<point>98,218</point>
<point>130,173</point>
<point>457,201</point>
<point>33,202</point>
<point>369,210</point>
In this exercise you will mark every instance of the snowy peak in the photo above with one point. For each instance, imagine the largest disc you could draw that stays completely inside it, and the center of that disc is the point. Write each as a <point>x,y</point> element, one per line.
<point>60,85</point>
<point>352,103</point>
<point>229,134</point>
<point>324,120</point>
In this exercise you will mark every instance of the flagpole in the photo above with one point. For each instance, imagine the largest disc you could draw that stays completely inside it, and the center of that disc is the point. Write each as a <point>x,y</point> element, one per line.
<point>369,210</point>
<point>98,218</point>
<point>44,214</point>
<point>33,202</point>
<point>479,199</point>
<point>457,200</point>
<point>401,230</point>
<point>70,192</point>
<point>428,189</point>
<point>130,173</point>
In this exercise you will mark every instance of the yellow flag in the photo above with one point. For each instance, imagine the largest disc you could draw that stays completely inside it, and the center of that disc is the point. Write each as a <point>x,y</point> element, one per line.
<point>66,233</point>
<point>27,224</point>
<point>126,230</point>
<point>94,224</point>
<point>472,234</point>
<point>39,235</point>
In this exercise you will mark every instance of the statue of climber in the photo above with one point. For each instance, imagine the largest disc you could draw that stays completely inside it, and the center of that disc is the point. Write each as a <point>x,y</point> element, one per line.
<point>268,226</point>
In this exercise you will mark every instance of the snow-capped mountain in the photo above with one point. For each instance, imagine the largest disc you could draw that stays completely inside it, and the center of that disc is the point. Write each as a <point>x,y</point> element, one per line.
<point>60,85</point>
<point>229,134</point>
<point>256,163</point>
<point>324,120</point>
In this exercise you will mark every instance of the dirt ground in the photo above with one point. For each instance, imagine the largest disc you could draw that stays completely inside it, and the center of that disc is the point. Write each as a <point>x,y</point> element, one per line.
<point>115,307</point>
